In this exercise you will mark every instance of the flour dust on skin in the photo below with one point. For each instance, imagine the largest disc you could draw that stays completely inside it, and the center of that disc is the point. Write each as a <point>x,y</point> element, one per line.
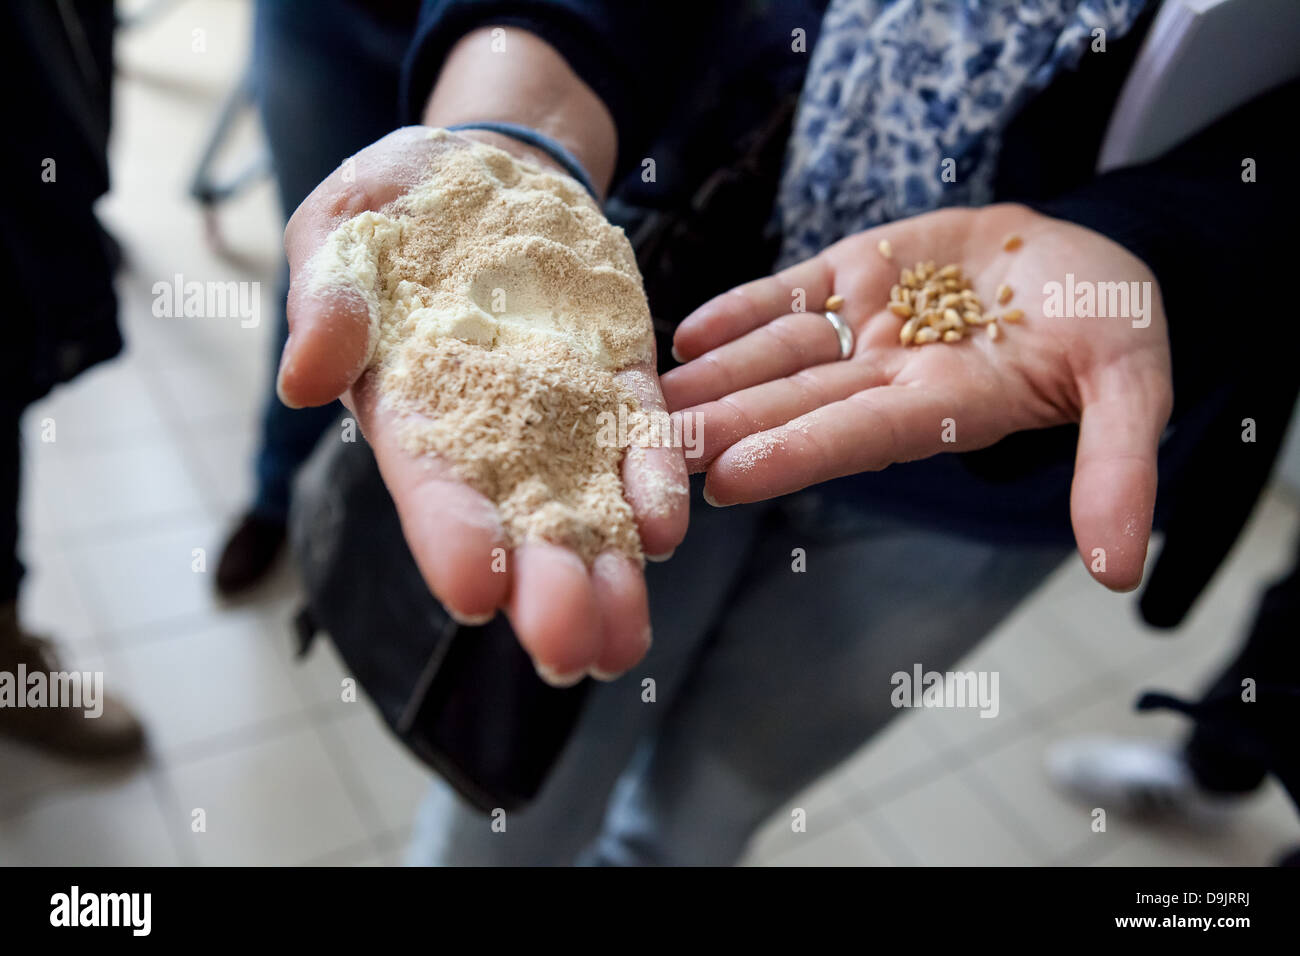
<point>501,305</point>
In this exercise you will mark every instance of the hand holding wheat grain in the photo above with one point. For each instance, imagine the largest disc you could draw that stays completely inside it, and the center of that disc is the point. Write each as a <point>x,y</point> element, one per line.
<point>780,413</point>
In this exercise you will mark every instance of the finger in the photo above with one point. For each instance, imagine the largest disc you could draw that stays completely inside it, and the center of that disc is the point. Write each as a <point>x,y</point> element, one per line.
<point>1112,499</point>
<point>454,533</point>
<point>624,612</point>
<point>774,350</point>
<point>654,478</point>
<point>328,350</point>
<point>748,306</point>
<point>867,431</point>
<point>329,327</point>
<point>554,612</point>
<point>722,423</point>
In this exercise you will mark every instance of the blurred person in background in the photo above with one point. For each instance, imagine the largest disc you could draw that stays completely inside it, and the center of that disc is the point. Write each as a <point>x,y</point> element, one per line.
<point>765,678</point>
<point>1244,729</point>
<point>58,267</point>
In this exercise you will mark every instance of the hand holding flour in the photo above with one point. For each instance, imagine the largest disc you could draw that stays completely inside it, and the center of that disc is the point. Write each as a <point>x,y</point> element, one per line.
<point>573,617</point>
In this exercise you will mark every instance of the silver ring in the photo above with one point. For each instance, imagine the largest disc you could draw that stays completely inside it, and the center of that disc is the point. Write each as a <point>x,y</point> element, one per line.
<point>843,331</point>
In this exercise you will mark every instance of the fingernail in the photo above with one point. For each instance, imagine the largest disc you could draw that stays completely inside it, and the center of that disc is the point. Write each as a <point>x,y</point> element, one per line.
<point>471,620</point>
<point>661,558</point>
<point>713,501</point>
<point>603,676</point>
<point>677,356</point>
<point>279,391</point>
<point>279,378</point>
<point>555,678</point>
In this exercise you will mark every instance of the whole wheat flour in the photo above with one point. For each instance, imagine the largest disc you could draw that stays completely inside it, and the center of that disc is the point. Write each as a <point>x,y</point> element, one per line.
<point>501,303</point>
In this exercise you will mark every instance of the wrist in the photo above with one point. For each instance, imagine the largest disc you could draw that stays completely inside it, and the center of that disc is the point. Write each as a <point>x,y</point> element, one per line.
<point>527,82</point>
<point>552,153</point>
<point>510,145</point>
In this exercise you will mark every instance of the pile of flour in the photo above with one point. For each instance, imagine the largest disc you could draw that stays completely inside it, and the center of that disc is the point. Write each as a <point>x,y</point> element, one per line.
<point>501,303</point>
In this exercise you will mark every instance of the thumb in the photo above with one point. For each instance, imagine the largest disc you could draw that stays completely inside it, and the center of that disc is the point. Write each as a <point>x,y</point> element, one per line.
<point>329,339</point>
<point>1112,499</point>
<point>329,328</point>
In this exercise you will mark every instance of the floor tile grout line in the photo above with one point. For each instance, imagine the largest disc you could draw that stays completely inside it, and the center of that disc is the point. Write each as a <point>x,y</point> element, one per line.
<point>91,602</point>
<point>840,815</point>
<point>996,804</point>
<point>14,807</point>
<point>1139,663</point>
<point>1084,697</point>
<point>1080,855</point>
<point>276,731</point>
<point>896,848</point>
<point>953,757</point>
<point>360,847</point>
<point>394,840</point>
<point>69,789</point>
<point>164,400</point>
<point>95,635</point>
<point>169,802</point>
<point>326,733</point>
<point>365,809</point>
<point>100,443</point>
<point>93,606</point>
<point>998,735</point>
<point>900,785</point>
<point>957,760</point>
<point>194,752</point>
<point>104,644</point>
<point>138,528</point>
<point>187,619</point>
<point>242,738</point>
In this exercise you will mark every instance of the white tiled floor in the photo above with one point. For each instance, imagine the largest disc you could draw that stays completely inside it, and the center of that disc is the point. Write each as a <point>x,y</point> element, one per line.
<point>151,459</point>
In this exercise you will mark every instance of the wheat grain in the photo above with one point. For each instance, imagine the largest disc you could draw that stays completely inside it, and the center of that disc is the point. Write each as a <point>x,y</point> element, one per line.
<point>940,305</point>
<point>909,329</point>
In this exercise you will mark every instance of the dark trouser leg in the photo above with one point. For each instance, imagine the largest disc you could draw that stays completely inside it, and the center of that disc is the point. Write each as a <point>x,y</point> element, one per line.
<point>1221,757</point>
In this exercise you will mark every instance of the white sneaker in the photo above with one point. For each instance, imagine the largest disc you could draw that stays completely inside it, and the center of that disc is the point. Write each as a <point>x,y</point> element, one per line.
<point>1140,778</point>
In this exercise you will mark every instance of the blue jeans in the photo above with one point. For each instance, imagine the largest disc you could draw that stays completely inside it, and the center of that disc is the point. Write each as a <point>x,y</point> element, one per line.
<point>327,79</point>
<point>765,678</point>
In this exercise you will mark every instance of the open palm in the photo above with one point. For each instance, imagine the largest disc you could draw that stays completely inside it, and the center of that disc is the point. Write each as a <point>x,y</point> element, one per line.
<point>570,618</point>
<point>780,412</point>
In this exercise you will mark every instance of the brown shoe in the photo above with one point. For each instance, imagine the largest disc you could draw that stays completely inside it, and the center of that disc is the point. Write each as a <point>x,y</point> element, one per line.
<point>249,553</point>
<point>68,730</point>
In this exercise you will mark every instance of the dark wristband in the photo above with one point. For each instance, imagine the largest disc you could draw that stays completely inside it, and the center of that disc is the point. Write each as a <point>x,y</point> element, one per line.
<point>531,137</point>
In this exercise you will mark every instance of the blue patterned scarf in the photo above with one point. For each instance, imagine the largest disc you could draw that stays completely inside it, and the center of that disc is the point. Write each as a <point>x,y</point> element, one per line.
<point>900,91</point>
